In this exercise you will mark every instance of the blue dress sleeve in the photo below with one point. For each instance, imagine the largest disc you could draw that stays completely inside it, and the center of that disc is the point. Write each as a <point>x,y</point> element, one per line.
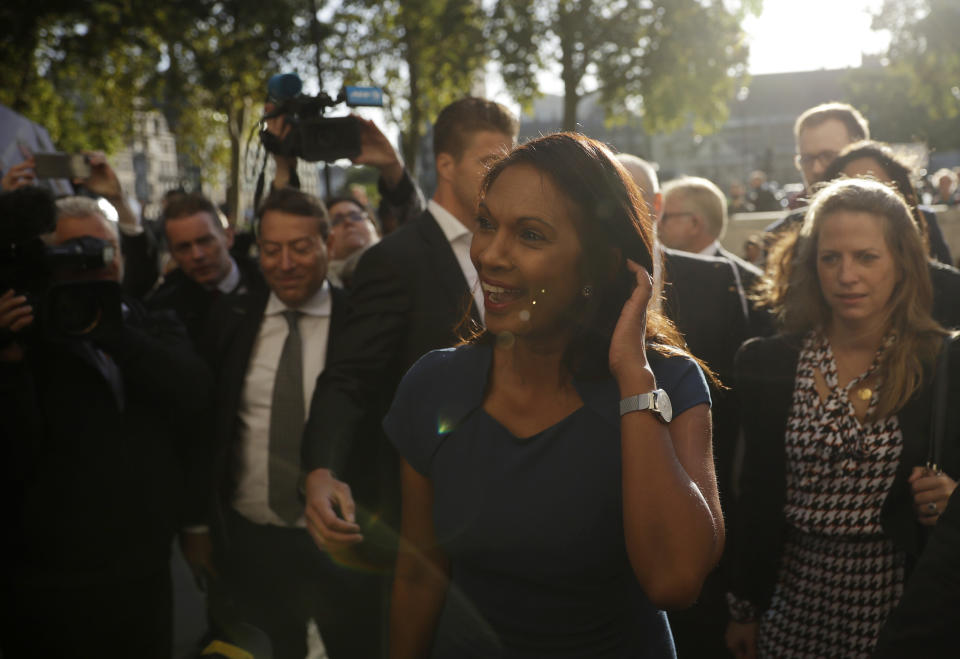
<point>405,422</point>
<point>438,391</point>
<point>682,379</point>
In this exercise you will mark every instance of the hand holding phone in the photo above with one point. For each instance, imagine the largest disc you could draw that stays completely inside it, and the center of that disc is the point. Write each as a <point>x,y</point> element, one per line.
<point>68,166</point>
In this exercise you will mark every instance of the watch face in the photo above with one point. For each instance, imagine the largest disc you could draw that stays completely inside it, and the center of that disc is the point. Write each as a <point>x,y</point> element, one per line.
<point>664,406</point>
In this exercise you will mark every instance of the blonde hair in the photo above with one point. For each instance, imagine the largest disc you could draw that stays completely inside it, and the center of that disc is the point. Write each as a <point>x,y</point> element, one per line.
<point>791,285</point>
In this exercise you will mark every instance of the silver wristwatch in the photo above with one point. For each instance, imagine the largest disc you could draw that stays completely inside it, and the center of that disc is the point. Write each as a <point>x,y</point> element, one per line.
<point>657,401</point>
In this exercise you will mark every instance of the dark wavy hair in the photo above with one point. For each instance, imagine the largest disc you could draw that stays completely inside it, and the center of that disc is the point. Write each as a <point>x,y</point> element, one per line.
<point>896,170</point>
<point>613,225</point>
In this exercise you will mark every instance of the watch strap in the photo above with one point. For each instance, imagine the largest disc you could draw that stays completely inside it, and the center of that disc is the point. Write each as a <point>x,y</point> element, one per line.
<point>637,403</point>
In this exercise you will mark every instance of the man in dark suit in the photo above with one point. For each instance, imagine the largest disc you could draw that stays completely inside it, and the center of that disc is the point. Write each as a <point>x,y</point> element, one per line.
<point>821,133</point>
<point>704,297</point>
<point>267,345</point>
<point>200,245</point>
<point>694,219</point>
<point>409,293</point>
<point>96,437</point>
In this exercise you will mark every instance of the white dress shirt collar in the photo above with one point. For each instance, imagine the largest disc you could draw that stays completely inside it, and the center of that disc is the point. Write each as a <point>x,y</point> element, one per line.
<point>459,238</point>
<point>229,283</point>
<point>320,304</point>
<point>452,227</point>
<point>711,250</point>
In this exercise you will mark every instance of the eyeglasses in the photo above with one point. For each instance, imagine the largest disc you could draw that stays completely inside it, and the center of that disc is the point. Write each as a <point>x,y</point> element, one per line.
<point>824,158</point>
<point>352,216</point>
<point>667,216</point>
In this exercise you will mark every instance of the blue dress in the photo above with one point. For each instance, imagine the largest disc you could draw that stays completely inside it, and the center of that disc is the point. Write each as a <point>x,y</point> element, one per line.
<point>533,526</point>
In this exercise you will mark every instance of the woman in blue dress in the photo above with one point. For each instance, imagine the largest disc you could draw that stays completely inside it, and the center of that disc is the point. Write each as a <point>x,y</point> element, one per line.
<point>553,503</point>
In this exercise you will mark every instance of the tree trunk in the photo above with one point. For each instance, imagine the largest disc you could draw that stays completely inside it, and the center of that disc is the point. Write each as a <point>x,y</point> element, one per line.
<point>570,102</point>
<point>411,136</point>
<point>236,120</point>
<point>569,70</point>
<point>25,55</point>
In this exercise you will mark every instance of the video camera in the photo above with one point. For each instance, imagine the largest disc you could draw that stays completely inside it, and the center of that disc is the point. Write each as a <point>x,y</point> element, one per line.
<point>64,310</point>
<point>312,136</point>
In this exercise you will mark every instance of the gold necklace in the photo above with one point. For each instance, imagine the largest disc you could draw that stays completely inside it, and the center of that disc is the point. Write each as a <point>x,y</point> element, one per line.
<point>864,393</point>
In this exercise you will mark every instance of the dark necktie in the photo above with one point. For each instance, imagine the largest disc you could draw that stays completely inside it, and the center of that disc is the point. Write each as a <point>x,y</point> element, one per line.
<point>286,425</point>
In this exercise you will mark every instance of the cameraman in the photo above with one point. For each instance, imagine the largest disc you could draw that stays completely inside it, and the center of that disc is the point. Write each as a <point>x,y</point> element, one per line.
<point>103,182</point>
<point>95,434</point>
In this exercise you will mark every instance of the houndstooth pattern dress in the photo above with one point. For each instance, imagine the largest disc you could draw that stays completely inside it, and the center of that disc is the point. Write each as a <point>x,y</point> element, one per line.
<point>840,576</point>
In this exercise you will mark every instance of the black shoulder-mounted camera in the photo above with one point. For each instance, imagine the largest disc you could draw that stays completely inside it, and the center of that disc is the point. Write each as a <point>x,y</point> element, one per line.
<point>312,136</point>
<point>65,308</point>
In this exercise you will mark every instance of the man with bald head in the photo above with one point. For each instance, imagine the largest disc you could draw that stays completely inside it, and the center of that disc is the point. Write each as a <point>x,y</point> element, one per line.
<point>96,439</point>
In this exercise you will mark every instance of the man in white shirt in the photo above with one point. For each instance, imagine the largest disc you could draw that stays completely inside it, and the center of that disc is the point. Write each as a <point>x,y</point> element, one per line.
<point>268,346</point>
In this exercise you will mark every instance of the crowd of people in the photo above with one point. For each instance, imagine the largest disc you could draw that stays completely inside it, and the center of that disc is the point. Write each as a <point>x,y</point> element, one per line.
<point>545,413</point>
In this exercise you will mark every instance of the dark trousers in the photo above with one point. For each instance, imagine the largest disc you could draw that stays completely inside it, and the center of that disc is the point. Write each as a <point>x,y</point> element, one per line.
<point>104,621</point>
<point>275,579</point>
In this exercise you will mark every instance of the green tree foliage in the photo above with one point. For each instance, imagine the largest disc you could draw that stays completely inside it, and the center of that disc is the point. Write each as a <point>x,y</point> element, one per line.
<point>219,55</point>
<point>916,95</point>
<point>670,62</point>
<point>83,68</point>
<point>424,53</point>
<point>76,68</point>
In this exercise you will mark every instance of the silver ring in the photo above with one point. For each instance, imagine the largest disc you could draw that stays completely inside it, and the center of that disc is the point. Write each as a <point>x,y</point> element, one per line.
<point>932,507</point>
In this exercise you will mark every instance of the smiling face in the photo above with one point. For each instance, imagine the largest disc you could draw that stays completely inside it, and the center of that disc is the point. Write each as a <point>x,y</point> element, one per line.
<point>856,268</point>
<point>292,256</point>
<point>527,253</point>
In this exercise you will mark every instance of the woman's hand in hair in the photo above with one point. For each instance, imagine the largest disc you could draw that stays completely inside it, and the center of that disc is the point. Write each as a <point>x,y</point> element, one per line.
<point>628,357</point>
<point>931,490</point>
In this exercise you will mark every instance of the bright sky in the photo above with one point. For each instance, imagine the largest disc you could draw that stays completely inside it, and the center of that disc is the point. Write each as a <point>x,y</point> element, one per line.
<point>789,35</point>
<point>813,34</point>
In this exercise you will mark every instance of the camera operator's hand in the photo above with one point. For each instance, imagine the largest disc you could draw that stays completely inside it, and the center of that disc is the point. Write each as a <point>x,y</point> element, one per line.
<point>20,175</point>
<point>284,164</point>
<point>104,182</point>
<point>376,151</point>
<point>15,316</point>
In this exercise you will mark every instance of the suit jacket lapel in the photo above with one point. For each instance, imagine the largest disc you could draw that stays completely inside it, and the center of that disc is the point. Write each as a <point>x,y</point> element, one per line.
<point>444,263</point>
<point>242,319</point>
<point>338,316</point>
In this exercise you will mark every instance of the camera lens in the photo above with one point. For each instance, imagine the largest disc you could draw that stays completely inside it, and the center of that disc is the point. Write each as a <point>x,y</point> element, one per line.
<point>75,311</point>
